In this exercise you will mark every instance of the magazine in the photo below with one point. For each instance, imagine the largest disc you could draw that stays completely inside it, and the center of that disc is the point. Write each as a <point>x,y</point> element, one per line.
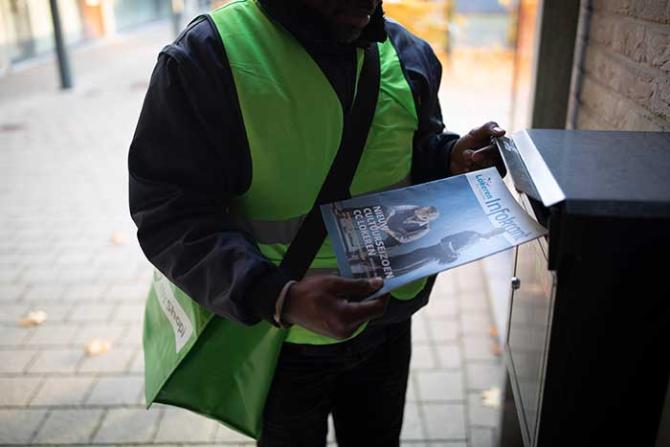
<point>406,234</point>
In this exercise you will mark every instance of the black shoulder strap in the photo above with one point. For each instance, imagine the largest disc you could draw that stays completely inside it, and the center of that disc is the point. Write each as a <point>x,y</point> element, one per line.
<point>357,123</point>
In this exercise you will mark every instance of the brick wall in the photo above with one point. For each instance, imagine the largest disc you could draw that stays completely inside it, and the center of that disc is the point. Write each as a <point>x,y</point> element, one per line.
<point>622,66</point>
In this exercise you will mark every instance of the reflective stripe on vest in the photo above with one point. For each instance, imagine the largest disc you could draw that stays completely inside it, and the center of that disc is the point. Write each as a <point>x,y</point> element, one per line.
<point>283,231</point>
<point>293,122</point>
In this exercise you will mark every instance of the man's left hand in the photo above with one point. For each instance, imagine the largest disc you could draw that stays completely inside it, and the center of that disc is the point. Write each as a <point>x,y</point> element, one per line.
<point>476,150</point>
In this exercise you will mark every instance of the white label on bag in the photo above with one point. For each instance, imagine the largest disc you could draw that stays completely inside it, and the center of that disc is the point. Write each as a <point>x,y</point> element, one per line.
<point>183,329</point>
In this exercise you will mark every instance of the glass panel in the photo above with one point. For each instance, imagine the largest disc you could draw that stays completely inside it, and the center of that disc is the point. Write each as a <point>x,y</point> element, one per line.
<point>529,327</point>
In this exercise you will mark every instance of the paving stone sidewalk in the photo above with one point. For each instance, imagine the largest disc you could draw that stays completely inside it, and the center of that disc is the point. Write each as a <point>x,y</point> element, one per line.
<point>68,249</point>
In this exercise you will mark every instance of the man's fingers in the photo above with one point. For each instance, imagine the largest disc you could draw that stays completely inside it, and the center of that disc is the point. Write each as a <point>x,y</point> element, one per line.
<point>481,136</point>
<point>487,155</point>
<point>356,313</point>
<point>354,288</point>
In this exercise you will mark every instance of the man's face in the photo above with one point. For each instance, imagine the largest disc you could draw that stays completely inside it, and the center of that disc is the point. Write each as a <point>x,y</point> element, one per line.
<point>346,18</point>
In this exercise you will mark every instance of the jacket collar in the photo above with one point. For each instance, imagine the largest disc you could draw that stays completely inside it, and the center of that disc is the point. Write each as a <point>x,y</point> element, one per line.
<point>312,30</point>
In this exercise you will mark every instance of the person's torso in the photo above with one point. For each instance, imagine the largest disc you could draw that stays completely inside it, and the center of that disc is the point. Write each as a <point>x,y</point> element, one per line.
<point>293,121</point>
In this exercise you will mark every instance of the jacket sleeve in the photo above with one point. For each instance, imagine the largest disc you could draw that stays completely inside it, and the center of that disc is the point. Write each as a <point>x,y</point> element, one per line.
<point>432,144</point>
<point>188,158</point>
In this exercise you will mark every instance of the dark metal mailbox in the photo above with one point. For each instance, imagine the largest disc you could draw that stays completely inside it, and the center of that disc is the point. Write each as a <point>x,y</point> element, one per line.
<point>588,344</point>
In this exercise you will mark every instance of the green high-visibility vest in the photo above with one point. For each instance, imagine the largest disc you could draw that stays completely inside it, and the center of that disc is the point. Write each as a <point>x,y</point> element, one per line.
<point>293,121</point>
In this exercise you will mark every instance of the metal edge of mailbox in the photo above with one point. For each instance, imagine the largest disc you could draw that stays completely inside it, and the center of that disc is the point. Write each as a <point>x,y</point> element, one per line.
<point>546,185</point>
<point>515,166</point>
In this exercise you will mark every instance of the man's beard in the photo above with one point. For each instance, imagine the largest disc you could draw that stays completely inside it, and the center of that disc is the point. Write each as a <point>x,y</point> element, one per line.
<point>346,34</point>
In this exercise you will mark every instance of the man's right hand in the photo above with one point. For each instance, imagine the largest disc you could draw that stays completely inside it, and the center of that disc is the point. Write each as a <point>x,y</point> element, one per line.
<point>322,304</point>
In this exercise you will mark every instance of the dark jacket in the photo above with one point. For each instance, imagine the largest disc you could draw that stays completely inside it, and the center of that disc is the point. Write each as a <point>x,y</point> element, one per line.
<point>189,156</point>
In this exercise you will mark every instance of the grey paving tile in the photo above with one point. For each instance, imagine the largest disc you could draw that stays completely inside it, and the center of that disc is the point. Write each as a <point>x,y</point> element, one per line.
<point>442,306</point>
<point>137,365</point>
<point>330,437</point>
<point>449,355</point>
<point>14,336</point>
<point>124,425</point>
<point>444,422</point>
<point>445,444</point>
<point>114,333</point>
<point>71,273</point>
<point>57,361</point>
<point>116,360</point>
<point>52,334</point>
<point>133,335</point>
<point>92,312</point>
<point>117,390</point>
<point>77,257</point>
<point>423,357</point>
<point>481,437</point>
<point>15,361</point>
<point>121,273</point>
<point>41,274</point>
<point>444,330</point>
<point>63,391</point>
<point>72,426</point>
<point>446,284</point>
<point>482,376</point>
<point>44,292</point>
<point>419,330</point>
<point>10,275</point>
<point>479,415</point>
<point>84,292</point>
<point>478,348</point>
<point>476,323</point>
<point>10,293</point>
<point>137,292</point>
<point>11,313</point>
<point>225,434</point>
<point>17,390</point>
<point>129,313</point>
<point>471,302</point>
<point>411,394</point>
<point>472,281</point>
<point>411,427</point>
<point>19,426</point>
<point>440,385</point>
<point>179,425</point>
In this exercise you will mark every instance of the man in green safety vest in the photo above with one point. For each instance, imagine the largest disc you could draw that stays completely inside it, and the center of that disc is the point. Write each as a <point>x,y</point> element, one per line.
<point>241,122</point>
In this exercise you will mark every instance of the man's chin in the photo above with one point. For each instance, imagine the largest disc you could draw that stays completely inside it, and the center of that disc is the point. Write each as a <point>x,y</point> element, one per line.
<point>347,34</point>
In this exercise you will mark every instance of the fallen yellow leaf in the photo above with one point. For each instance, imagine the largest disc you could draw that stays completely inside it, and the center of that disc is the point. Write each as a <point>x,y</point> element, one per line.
<point>118,238</point>
<point>493,330</point>
<point>33,318</point>
<point>491,397</point>
<point>97,346</point>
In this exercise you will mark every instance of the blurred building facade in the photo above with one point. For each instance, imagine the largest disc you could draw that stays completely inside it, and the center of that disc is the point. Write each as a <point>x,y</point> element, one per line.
<point>26,29</point>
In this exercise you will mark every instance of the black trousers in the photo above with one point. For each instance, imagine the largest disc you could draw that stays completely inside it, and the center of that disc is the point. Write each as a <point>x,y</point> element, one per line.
<point>361,381</point>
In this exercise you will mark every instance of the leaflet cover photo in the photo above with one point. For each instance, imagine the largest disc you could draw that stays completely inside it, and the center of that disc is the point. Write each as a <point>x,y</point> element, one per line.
<point>410,233</point>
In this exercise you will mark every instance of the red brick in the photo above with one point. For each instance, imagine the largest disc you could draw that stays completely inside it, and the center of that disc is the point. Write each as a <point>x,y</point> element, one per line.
<point>621,75</point>
<point>616,111</point>
<point>660,101</point>
<point>603,29</point>
<point>653,10</point>
<point>615,6</point>
<point>658,48</point>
